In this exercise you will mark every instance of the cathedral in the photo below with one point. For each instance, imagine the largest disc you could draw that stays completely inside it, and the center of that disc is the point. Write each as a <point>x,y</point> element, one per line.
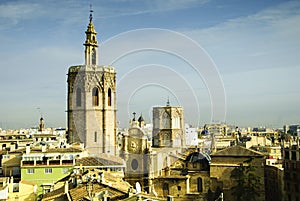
<point>91,101</point>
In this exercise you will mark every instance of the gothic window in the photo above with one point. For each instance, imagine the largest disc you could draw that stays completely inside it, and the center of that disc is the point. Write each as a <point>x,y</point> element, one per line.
<point>109,97</point>
<point>165,121</point>
<point>93,56</point>
<point>95,96</point>
<point>176,121</point>
<point>78,97</point>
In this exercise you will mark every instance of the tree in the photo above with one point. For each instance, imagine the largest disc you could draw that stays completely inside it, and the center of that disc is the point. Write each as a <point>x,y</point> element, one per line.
<point>248,183</point>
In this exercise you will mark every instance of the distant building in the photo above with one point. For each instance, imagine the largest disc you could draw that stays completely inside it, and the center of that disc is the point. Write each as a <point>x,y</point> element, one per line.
<point>293,130</point>
<point>191,135</point>
<point>92,101</point>
<point>291,164</point>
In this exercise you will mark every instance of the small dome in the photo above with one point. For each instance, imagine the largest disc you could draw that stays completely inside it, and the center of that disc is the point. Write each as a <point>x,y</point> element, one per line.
<point>205,132</point>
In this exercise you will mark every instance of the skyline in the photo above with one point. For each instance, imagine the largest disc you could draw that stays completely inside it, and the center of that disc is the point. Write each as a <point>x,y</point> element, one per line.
<point>254,46</point>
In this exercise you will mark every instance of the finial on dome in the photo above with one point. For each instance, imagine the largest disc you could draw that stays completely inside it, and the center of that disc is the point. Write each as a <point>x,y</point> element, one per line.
<point>168,101</point>
<point>134,113</point>
<point>91,12</point>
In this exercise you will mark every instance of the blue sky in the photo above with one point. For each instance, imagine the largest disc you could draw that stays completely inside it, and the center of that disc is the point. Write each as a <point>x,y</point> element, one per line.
<point>254,44</point>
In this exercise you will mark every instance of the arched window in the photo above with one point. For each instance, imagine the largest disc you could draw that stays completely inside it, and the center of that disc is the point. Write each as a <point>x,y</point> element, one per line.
<point>199,184</point>
<point>109,97</point>
<point>78,97</point>
<point>165,189</point>
<point>93,56</point>
<point>166,120</point>
<point>95,96</point>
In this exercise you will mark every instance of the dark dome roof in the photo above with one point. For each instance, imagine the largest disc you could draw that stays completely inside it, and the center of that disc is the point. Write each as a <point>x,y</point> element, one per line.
<point>205,132</point>
<point>198,157</point>
<point>140,119</point>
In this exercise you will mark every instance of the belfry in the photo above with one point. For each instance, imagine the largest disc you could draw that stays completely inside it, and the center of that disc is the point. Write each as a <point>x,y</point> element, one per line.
<point>91,100</point>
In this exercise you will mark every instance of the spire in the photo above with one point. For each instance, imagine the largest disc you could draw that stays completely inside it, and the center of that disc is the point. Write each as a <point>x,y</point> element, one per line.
<point>91,13</point>
<point>91,44</point>
<point>42,124</point>
<point>140,119</point>
<point>134,113</point>
<point>168,102</point>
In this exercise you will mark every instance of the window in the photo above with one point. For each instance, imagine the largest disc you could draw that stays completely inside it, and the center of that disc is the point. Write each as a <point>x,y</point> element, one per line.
<point>95,136</point>
<point>109,97</point>
<point>199,184</point>
<point>95,96</point>
<point>48,170</point>
<point>293,155</point>
<point>286,155</point>
<point>134,164</point>
<point>93,56</point>
<point>78,97</point>
<point>30,171</point>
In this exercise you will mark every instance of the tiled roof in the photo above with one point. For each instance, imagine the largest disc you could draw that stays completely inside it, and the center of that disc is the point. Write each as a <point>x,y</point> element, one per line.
<point>98,161</point>
<point>80,192</point>
<point>55,194</point>
<point>237,151</point>
<point>64,150</point>
<point>55,150</point>
<point>144,197</point>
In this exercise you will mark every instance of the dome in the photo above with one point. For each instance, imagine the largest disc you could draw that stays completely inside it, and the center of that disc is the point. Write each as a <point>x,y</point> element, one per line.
<point>205,132</point>
<point>198,157</point>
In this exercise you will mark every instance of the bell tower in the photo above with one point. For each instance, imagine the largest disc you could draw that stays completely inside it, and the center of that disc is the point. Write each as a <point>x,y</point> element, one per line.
<point>92,100</point>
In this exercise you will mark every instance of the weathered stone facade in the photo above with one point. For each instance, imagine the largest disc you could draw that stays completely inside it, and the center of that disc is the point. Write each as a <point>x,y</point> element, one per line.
<point>168,127</point>
<point>224,163</point>
<point>92,101</point>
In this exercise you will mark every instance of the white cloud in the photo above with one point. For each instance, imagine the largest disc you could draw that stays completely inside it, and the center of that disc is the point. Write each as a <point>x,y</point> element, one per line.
<point>12,13</point>
<point>268,39</point>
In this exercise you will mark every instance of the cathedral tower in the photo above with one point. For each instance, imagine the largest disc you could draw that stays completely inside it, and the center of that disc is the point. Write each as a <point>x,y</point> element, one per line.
<point>92,100</point>
<point>168,126</point>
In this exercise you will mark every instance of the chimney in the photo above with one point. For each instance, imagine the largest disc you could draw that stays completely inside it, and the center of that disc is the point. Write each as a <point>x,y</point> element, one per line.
<point>27,148</point>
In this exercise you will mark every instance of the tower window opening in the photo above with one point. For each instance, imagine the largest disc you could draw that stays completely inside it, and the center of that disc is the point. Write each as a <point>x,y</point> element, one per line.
<point>109,97</point>
<point>93,56</point>
<point>199,184</point>
<point>95,136</point>
<point>95,96</point>
<point>78,97</point>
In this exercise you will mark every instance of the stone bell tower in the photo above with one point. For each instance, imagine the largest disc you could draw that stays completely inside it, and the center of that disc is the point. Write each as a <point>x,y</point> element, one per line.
<point>92,100</point>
